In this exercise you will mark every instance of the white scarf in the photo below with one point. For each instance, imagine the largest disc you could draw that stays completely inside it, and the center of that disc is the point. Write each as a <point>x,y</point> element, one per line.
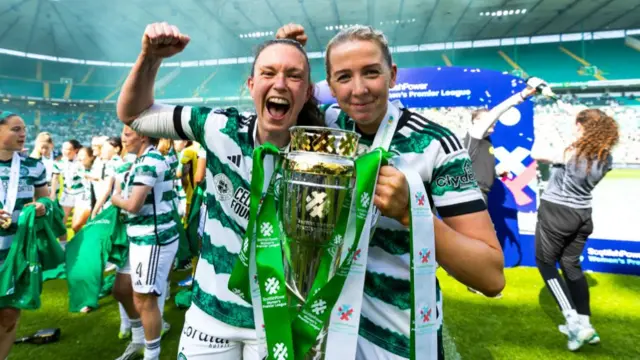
<point>9,196</point>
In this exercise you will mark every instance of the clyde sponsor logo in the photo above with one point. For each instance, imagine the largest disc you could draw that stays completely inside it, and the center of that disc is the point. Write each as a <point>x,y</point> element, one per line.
<point>458,181</point>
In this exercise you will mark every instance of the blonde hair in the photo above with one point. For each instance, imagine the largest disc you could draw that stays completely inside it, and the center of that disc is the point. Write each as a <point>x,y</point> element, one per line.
<point>43,137</point>
<point>164,145</point>
<point>358,33</point>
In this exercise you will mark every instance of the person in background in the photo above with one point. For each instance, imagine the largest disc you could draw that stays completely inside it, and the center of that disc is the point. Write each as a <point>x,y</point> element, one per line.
<point>201,167</point>
<point>86,198</point>
<point>66,169</point>
<point>190,155</point>
<point>480,147</point>
<point>147,202</point>
<point>18,189</point>
<point>564,216</point>
<point>478,139</point>
<point>97,173</point>
<point>110,155</point>
<point>43,150</point>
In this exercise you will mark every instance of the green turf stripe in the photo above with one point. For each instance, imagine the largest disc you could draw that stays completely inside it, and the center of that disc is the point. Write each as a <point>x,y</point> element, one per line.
<point>227,312</point>
<point>450,350</point>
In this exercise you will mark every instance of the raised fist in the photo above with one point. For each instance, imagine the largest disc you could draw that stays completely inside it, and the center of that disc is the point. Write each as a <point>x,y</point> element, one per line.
<point>162,40</point>
<point>294,32</point>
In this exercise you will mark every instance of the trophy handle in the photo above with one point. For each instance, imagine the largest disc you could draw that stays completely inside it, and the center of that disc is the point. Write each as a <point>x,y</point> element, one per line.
<point>295,293</point>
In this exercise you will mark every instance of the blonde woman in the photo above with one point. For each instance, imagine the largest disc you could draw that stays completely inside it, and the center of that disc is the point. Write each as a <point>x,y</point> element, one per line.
<point>43,150</point>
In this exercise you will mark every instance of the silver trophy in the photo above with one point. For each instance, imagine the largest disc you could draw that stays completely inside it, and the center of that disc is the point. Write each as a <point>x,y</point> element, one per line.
<point>318,180</point>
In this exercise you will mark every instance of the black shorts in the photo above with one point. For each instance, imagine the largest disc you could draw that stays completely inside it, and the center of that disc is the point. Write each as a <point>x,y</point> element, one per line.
<point>561,230</point>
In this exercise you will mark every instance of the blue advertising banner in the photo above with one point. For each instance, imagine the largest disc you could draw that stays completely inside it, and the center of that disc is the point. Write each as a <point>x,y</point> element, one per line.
<point>611,256</point>
<point>512,201</point>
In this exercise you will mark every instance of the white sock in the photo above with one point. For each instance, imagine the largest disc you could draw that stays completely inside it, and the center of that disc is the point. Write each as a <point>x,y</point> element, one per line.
<point>137,332</point>
<point>584,320</point>
<point>571,316</point>
<point>125,324</point>
<point>152,349</point>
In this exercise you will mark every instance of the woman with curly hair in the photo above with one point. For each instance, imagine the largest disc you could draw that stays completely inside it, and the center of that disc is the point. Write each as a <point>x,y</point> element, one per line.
<point>564,217</point>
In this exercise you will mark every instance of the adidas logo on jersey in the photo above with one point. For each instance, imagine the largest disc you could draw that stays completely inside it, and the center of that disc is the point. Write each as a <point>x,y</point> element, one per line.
<point>235,159</point>
<point>138,283</point>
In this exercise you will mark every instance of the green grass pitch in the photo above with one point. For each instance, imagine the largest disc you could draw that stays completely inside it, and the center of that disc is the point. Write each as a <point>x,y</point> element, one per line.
<point>521,325</point>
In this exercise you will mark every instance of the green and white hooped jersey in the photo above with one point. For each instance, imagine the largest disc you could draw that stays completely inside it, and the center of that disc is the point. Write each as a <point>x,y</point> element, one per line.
<point>70,174</point>
<point>121,171</point>
<point>110,170</point>
<point>172,160</point>
<point>85,195</point>
<point>32,175</point>
<point>182,195</point>
<point>151,169</point>
<point>444,165</point>
<point>113,165</point>
<point>228,140</point>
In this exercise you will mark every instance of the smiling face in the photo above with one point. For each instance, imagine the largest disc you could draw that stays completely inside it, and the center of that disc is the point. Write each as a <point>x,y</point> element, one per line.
<point>279,87</point>
<point>68,152</point>
<point>360,79</point>
<point>13,134</point>
<point>85,157</point>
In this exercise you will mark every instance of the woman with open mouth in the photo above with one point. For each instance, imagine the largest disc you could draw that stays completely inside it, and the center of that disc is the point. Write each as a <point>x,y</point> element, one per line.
<point>219,324</point>
<point>360,73</point>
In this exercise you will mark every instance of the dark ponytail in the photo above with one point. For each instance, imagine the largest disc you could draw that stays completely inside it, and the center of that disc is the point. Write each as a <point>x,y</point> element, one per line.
<point>75,144</point>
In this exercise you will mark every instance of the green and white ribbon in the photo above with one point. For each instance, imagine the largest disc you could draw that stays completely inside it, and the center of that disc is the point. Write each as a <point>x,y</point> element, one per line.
<point>345,318</point>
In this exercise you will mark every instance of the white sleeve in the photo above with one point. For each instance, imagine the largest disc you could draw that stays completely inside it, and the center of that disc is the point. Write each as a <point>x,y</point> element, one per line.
<point>544,151</point>
<point>331,115</point>
<point>165,121</point>
<point>488,119</point>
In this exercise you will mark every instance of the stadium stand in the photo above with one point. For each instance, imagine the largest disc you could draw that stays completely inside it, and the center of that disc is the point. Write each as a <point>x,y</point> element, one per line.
<point>26,77</point>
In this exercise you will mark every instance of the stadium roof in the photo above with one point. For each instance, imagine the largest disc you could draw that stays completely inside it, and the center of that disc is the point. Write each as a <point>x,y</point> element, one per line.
<point>111,29</point>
